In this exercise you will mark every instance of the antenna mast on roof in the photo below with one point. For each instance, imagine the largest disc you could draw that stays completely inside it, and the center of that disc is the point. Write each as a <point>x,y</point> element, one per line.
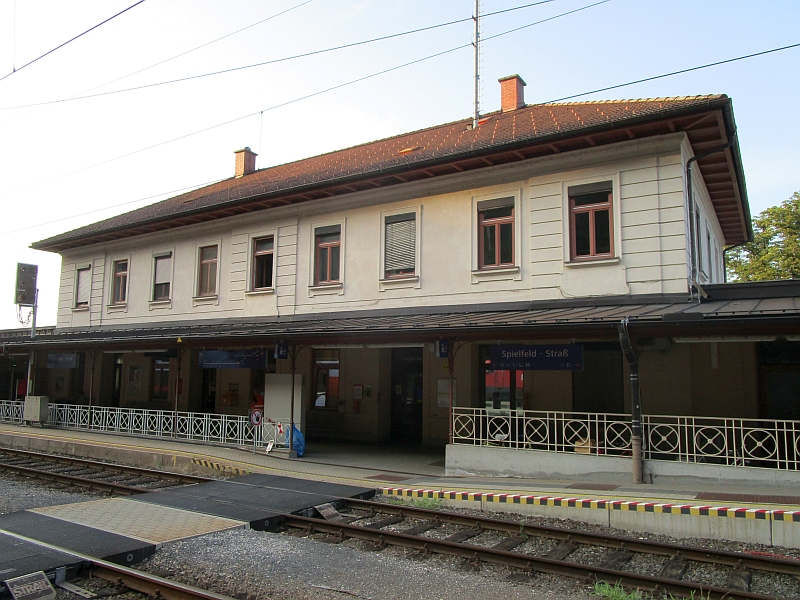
<point>476,44</point>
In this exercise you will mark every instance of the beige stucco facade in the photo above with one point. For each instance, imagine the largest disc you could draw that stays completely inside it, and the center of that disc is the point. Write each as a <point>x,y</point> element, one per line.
<point>649,230</point>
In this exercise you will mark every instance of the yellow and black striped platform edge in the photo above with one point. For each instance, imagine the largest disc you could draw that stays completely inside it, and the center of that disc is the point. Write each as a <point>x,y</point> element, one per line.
<point>622,505</point>
<point>226,469</point>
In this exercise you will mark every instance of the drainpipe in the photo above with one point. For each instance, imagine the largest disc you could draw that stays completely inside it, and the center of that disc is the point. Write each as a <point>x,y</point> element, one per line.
<point>692,233</point>
<point>725,259</point>
<point>636,401</point>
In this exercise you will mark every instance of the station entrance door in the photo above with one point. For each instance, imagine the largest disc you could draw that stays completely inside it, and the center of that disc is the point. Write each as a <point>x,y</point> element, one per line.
<point>407,395</point>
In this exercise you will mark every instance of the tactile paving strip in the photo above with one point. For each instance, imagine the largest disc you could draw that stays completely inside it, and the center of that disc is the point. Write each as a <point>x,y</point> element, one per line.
<point>140,520</point>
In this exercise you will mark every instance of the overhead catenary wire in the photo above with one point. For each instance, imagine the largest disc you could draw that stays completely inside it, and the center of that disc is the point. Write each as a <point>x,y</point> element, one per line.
<point>81,95</point>
<point>108,207</point>
<point>293,101</point>
<point>688,70</point>
<point>267,62</point>
<point>29,63</point>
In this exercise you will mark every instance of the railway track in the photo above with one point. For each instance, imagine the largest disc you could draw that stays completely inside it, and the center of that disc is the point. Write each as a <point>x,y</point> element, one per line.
<point>114,478</point>
<point>478,539</point>
<point>124,579</point>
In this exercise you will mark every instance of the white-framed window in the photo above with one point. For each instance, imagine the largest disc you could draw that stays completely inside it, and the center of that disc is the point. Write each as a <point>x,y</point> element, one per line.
<point>327,254</point>
<point>591,217</point>
<point>263,263</point>
<point>162,276</point>
<point>207,270</point>
<point>119,281</point>
<point>399,257</point>
<point>591,221</point>
<point>496,235</point>
<point>83,286</point>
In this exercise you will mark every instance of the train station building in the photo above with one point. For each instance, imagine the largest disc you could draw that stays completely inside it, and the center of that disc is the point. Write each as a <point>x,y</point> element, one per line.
<point>457,286</point>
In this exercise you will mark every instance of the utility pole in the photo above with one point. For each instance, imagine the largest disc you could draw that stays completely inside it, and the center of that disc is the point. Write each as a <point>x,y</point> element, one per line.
<point>31,353</point>
<point>476,44</point>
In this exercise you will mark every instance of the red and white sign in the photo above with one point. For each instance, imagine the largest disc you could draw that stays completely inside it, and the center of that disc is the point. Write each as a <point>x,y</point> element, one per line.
<point>256,416</point>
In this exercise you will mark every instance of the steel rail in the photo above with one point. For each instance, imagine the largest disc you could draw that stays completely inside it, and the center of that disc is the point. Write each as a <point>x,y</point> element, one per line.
<point>75,480</point>
<point>108,466</point>
<point>153,586</point>
<point>526,562</point>
<point>786,566</point>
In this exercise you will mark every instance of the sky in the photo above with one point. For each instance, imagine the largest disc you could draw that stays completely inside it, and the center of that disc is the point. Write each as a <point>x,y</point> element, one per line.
<point>67,164</point>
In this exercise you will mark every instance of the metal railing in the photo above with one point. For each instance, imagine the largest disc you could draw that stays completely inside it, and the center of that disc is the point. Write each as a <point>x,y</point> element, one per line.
<point>234,430</point>
<point>765,443</point>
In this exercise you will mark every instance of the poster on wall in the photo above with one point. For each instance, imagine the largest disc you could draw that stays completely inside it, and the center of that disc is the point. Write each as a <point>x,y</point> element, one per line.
<point>135,380</point>
<point>443,394</point>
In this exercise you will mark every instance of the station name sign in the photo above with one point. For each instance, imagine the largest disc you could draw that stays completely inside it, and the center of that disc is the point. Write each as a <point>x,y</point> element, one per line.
<point>233,359</point>
<point>546,357</point>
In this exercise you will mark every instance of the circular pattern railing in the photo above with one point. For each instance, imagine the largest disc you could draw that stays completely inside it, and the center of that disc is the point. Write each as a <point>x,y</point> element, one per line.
<point>710,441</point>
<point>464,427</point>
<point>664,439</point>
<point>618,436</point>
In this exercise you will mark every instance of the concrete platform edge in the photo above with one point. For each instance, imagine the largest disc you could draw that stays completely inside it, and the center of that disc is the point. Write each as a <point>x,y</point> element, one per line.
<point>752,525</point>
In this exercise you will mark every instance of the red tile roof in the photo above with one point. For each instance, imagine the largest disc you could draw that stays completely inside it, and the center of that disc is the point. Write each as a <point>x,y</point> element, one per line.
<point>430,147</point>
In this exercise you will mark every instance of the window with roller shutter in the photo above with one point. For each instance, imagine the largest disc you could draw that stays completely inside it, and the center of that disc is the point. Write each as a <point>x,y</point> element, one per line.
<point>83,288</point>
<point>400,245</point>
<point>162,276</point>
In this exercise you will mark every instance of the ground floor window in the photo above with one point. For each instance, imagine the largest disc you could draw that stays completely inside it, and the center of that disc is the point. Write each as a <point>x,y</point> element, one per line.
<point>500,389</point>
<point>326,379</point>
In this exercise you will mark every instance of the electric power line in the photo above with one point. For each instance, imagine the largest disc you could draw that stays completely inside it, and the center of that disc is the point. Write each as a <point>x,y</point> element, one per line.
<point>97,210</point>
<point>713,64</point>
<point>393,68</point>
<point>267,62</point>
<point>15,70</point>
<point>288,102</point>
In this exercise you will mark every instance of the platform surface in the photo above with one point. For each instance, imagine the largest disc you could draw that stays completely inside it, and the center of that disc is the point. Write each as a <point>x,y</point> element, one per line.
<point>380,465</point>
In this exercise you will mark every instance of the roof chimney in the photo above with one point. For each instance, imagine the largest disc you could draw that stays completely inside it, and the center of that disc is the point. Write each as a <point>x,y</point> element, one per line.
<point>245,161</point>
<point>512,94</point>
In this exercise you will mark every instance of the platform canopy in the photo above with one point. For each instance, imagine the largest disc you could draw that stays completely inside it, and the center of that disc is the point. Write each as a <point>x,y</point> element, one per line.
<point>750,309</point>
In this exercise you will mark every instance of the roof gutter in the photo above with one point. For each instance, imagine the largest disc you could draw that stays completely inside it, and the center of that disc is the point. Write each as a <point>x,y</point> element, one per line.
<point>725,105</point>
<point>693,233</point>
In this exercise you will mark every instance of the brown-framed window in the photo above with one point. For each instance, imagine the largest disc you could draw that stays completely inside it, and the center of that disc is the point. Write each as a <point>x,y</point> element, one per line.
<point>83,287</point>
<point>496,233</point>
<point>162,275</point>
<point>160,379</point>
<point>263,262</point>
<point>207,277</point>
<point>326,379</point>
<point>327,245</point>
<point>591,221</point>
<point>400,245</point>
<point>120,291</point>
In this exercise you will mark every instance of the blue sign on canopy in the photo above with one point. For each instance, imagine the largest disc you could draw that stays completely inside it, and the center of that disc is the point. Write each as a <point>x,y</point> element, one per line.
<point>547,357</point>
<point>62,360</point>
<point>233,359</point>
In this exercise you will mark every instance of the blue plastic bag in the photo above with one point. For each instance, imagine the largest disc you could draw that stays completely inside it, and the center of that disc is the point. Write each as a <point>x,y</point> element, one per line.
<point>298,443</point>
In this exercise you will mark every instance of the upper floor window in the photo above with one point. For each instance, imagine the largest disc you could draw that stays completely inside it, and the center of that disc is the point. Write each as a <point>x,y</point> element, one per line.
<point>83,287</point>
<point>207,276</point>
<point>400,241</point>
<point>496,233</point>
<point>162,276</point>
<point>327,250</point>
<point>263,262</point>
<point>590,217</point>
<point>119,294</point>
